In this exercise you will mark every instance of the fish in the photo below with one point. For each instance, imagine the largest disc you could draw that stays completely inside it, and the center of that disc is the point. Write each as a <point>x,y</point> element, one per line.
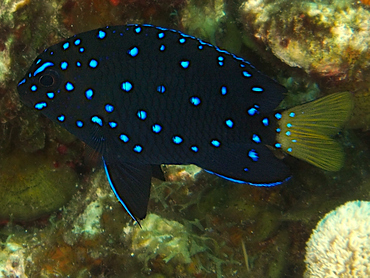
<point>142,96</point>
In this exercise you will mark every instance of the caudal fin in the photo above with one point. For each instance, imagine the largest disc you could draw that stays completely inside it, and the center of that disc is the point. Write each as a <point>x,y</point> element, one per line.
<point>305,130</point>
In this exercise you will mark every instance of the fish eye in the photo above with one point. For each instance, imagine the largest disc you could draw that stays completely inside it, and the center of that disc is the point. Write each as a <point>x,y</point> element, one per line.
<point>50,78</point>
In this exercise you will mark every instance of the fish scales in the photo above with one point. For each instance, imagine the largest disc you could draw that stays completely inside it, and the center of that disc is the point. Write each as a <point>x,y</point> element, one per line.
<point>145,95</point>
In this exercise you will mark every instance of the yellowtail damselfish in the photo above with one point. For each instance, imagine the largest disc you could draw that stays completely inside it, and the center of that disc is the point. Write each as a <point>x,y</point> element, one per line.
<point>143,96</point>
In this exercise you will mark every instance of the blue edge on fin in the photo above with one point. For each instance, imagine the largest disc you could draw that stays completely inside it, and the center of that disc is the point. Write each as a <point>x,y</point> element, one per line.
<point>115,193</point>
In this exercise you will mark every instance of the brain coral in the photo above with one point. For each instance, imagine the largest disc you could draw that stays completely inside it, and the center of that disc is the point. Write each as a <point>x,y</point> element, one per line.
<point>340,244</point>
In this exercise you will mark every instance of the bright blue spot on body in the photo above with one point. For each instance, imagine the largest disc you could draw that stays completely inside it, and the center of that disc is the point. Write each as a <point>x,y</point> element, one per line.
<point>253,155</point>
<point>265,121</point>
<point>160,35</point>
<point>77,42</point>
<point>161,89</point>
<point>126,86</point>
<point>97,120</point>
<point>124,138</point>
<point>33,88</point>
<point>182,40</point>
<point>138,148</point>
<point>245,169</point>
<point>38,61</point>
<point>93,63</point>
<point>195,101</point>
<point>246,74</point>
<point>112,124</point>
<point>40,105</point>
<point>109,108</point>
<point>223,90</point>
<point>43,67</point>
<point>229,123</point>
<point>79,123</point>
<point>289,125</point>
<point>278,145</point>
<point>252,111</point>
<point>291,114</point>
<point>82,49</point>
<point>69,86</point>
<point>278,116</point>
<point>78,64</point>
<point>294,141</point>
<point>65,45</point>
<point>221,64</point>
<point>257,89</point>
<point>287,133</point>
<point>50,95</point>
<point>89,94</point>
<point>278,130</point>
<point>162,48</point>
<point>141,114</point>
<point>216,143</point>
<point>156,128</point>
<point>289,149</point>
<point>200,47</point>
<point>22,82</point>
<point>61,118</point>
<point>194,149</point>
<point>256,138</point>
<point>184,64</point>
<point>133,51</point>
<point>138,30</point>
<point>101,34</point>
<point>177,139</point>
<point>64,65</point>
<point>220,58</point>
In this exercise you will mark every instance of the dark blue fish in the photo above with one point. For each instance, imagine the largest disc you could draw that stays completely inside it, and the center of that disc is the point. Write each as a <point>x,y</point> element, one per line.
<point>144,96</point>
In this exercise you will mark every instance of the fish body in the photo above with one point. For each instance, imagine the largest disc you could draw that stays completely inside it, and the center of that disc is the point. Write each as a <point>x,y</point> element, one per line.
<point>143,96</point>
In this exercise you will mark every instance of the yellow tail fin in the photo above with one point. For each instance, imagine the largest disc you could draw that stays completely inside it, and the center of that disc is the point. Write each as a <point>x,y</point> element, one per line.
<point>305,130</point>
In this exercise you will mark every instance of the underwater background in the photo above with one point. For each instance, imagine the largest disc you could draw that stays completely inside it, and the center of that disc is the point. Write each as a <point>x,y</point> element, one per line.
<point>58,215</point>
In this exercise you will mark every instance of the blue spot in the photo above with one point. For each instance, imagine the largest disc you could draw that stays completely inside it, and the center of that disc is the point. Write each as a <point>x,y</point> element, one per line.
<point>287,133</point>
<point>223,90</point>
<point>278,130</point>
<point>294,141</point>
<point>161,89</point>
<point>33,88</point>
<point>194,149</point>
<point>229,123</point>
<point>156,128</point>
<point>278,116</point>
<point>124,138</point>
<point>288,125</point>
<point>138,148</point>
<point>200,47</point>
<point>65,45</point>
<point>141,114</point>
<point>89,94</point>
<point>245,169</point>
<point>246,74</point>
<point>253,155</point>
<point>64,65</point>
<point>133,51</point>
<point>220,58</point>
<point>112,124</point>
<point>97,120</point>
<point>221,64</point>
<point>38,61</point>
<point>126,86</point>
<point>61,118</point>
<point>216,143</point>
<point>109,108</point>
<point>291,114</point>
<point>22,82</point>
<point>29,75</point>
<point>101,34</point>
<point>138,30</point>
<point>182,40</point>
<point>162,48</point>
<point>82,49</point>
<point>160,35</point>
<point>278,145</point>
<point>265,121</point>
<point>93,63</point>
<point>69,86</point>
<point>257,89</point>
<point>289,149</point>
<point>40,105</point>
<point>177,139</point>
<point>185,64</point>
<point>195,101</point>
<point>256,138</point>
<point>79,123</point>
<point>50,95</point>
<point>43,67</point>
<point>77,42</point>
<point>252,111</point>
<point>78,64</point>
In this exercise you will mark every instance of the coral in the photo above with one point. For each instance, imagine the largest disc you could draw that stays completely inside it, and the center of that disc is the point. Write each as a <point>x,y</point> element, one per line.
<point>340,244</point>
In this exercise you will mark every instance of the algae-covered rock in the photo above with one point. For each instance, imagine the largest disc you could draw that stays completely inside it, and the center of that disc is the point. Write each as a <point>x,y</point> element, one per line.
<point>31,187</point>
